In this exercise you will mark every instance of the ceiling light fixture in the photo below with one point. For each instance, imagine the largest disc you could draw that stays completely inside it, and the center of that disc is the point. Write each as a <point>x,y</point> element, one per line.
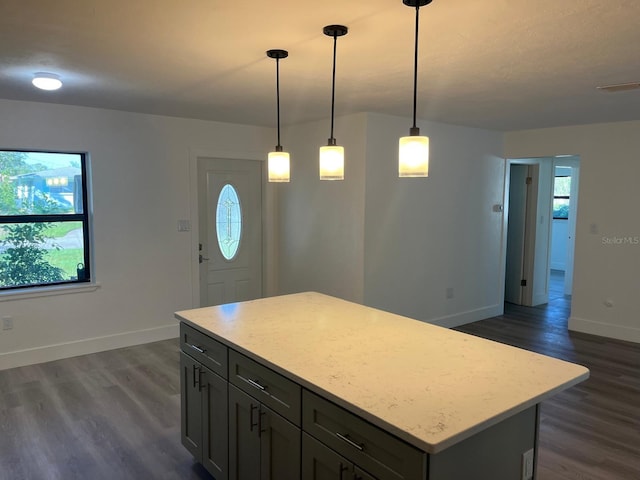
<point>278,161</point>
<point>332,155</point>
<point>413,158</point>
<point>46,81</point>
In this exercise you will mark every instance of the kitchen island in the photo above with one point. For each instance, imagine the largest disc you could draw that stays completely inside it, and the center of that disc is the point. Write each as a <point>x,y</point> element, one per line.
<point>313,387</point>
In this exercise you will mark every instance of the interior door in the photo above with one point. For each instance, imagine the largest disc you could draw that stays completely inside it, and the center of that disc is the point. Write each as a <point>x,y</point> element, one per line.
<point>516,233</point>
<point>230,221</point>
<point>521,234</point>
<point>573,211</point>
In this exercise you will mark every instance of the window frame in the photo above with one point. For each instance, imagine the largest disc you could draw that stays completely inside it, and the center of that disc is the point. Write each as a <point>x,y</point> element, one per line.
<point>84,218</point>
<point>560,197</point>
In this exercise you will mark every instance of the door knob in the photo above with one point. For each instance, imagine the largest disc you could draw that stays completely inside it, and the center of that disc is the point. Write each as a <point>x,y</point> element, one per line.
<point>202,258</point>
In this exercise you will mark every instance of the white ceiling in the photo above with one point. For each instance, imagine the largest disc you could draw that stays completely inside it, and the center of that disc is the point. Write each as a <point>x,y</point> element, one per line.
<point>496,64</point>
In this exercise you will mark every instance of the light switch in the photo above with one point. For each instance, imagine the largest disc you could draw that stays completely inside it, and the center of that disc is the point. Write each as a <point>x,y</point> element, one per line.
<point>184,225</point>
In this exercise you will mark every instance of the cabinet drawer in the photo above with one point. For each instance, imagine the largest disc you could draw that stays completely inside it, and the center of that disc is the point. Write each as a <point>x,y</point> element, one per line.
<point>206,350</point>
<point>380,453</point>
<point>272,389</point>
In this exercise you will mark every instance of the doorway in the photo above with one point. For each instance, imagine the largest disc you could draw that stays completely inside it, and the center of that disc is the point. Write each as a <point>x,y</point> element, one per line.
<point>230,230</point>
<point>531,199</point>
<point>565,208</point>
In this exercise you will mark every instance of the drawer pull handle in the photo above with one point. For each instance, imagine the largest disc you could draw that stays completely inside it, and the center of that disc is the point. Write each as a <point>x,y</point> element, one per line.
<point>196,348</point>
<point>255,383</point>
<point>346,438</point>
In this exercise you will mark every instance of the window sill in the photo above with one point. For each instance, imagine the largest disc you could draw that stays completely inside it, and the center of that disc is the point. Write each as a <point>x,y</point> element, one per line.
<point>48,291</point>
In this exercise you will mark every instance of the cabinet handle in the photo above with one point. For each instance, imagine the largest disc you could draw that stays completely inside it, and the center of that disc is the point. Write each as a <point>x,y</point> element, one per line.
<point>252,424</point>
<point>196,348</point>
<point>261,413</point>
<point>343,468</point>
<point>345,438</point>
<point>254,383</point>
<point>196,382</point>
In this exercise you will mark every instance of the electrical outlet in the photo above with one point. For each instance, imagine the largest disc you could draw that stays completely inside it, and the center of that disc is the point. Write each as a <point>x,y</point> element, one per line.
<point>7,323</point>
<point>449,292</point>
<point>527,465</point>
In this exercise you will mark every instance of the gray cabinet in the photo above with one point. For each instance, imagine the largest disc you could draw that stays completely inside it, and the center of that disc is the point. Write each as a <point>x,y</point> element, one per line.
<point>245,421</point>
<point>204,396</point>
<point>374,450</point>
<point>272,389</point>
<point>319,462</point>
<point>262,444</point>
<point>204,416</point>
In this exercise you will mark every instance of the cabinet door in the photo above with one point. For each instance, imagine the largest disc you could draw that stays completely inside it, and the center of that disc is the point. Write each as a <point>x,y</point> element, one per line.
<point>359,474</point>
<point>244,441</point>
<point>280,445</point>
<point>191,404</point>
<point>215,438</point>
<point>321,463</point>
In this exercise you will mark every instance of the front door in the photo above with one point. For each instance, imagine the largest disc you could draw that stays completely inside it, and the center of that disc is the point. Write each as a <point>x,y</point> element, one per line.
<point>230,224</point>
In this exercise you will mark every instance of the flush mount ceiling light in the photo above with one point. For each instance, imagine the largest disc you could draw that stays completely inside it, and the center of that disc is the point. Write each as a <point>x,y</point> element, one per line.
<point>332,155</point>
<point>413,158</point>
<point>278,161</point>
<point>46,81</point>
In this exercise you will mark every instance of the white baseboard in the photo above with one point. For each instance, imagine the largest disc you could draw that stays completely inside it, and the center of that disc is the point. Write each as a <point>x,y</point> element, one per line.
<point>455,320</point>
<point>540,299</point>
<point>49,353</point>
<point>619,332</point>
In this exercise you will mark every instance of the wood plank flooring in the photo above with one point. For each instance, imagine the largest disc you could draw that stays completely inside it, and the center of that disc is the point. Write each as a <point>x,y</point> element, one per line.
<point>591,431</point>
<point>116,415</point>
<point>112,415</point>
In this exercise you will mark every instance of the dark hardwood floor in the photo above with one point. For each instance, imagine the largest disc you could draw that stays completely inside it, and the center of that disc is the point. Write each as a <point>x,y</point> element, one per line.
<point>116,415</point>
<point>591,431</point>
<point>112,415</point>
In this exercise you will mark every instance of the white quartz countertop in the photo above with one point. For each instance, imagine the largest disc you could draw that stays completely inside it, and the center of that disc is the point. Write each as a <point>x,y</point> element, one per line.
<point>428,385</point>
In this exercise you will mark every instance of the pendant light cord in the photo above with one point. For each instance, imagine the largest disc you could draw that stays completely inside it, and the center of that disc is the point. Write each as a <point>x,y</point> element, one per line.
<point>333,88</point>
<point>278,98</point>
<point>415,67</point>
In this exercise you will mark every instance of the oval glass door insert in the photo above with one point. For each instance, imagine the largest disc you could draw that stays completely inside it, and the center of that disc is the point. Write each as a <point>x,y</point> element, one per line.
<point>229,222</point>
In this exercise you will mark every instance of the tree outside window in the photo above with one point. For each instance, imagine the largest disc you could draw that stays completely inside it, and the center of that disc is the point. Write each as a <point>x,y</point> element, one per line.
<point>561,189</point>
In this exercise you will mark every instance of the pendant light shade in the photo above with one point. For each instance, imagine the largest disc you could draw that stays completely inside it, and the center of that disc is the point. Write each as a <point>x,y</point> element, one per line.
<point>278,163</point>
<point>332,162</point>
<point>332,155</point>
<point>413,154</point>
<point>279,166</point>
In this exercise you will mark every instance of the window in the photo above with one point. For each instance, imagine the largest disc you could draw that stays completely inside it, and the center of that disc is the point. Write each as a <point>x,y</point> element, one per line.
<point>44,223</point>
<point>561,189</point>
<point>228,222</point>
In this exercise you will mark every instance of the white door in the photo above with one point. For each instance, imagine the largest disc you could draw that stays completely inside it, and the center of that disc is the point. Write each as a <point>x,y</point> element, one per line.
<point>516,234</point>
<point>573,210</point>
<point>521,234</point>
<point>230,224</point>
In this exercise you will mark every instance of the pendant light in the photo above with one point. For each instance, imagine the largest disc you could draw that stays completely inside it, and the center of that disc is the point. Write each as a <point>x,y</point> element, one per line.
<point>413,159</point>
<point>278,161</point>
<point>332,155</point>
